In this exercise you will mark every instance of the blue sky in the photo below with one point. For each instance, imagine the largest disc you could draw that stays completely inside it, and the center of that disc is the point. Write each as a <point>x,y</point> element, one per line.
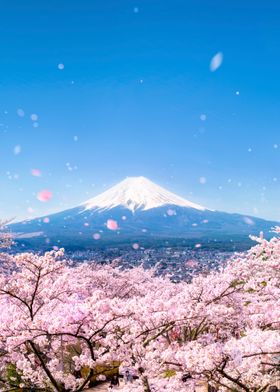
<point>136,97</point>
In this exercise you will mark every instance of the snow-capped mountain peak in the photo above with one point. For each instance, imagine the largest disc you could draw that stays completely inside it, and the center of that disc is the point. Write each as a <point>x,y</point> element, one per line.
<point>137,193</point>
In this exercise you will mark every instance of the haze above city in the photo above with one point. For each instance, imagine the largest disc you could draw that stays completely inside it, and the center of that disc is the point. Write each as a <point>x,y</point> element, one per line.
<point>185,93</point>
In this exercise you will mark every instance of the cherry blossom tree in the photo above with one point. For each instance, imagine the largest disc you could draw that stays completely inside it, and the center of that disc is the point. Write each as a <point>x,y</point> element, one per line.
<point>55,321</point>
<point>5,237</point>
<point>60,322</point>
<point>222,328</point>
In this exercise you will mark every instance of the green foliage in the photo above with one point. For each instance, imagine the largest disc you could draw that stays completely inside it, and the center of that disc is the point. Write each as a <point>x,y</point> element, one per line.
<point>169,373</point>
<point>108,370</point>
<point>13,376</point>
<point>236,283</point>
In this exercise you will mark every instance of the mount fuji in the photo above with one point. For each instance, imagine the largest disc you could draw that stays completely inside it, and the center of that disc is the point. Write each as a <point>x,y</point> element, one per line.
<point>137,193</point>
<point>137,210</point>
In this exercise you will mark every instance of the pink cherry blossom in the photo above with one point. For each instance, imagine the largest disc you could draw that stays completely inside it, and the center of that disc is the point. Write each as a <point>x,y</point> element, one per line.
<point>36,172</point>
<point>44,195</point>
<point>58,319</point>
<point>112,224</point>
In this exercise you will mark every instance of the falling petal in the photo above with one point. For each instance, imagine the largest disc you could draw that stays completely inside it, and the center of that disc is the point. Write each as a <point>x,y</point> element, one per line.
<point>248,220</point>
<point>36,172</point>
<point>112,224</point>
<point>17,149</point>
<point>202,180</point>
<point>171,212</point>
<point>44,195</point>
<point>34,117</point>
<point>216,61</point>
<point>20,112</point>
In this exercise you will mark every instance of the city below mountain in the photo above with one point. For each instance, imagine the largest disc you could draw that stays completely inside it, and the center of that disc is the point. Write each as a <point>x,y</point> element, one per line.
<point>136,212</point>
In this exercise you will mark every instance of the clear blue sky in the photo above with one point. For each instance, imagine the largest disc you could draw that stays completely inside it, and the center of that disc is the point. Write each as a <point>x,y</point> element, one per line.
<point>131,100</point>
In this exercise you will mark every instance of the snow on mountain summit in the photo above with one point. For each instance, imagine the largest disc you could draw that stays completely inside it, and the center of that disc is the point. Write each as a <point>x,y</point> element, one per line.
<point>137,193</point>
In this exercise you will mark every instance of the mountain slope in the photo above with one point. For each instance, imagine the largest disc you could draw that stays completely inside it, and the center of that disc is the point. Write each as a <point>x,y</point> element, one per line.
<point>137,193</point>
<point>137,210</point>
